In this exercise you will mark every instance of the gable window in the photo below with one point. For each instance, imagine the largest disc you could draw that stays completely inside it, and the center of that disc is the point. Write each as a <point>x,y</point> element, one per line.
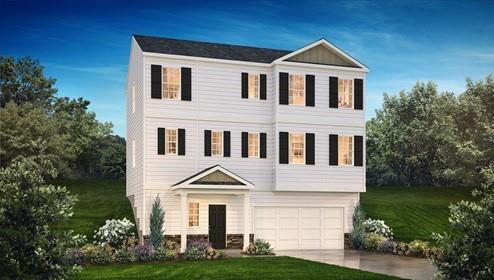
<point>171,83</point>
<point>217,143</point>
<point>171,141</point>
<point>345,93</point>
<point>345,150</point>
<point>193,214</point>
<point>254,145</point>
<point>253,86</point>
<point>296,148</point>
<point>296,92</point>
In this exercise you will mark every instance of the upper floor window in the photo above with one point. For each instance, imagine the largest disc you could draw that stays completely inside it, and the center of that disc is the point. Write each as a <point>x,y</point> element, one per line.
<point>217,143</point>
<point>193,214</point>
<point>296,90</point>
<point>171,83</point>
<point>345,93</point>
<point>171,141</point>
<point>253,86</point>
<point>345,150</point>
<point>253,144</point>
<point>296,148</point>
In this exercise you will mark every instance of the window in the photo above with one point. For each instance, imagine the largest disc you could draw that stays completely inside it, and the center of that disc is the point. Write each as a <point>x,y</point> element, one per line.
<point>296,92</point>
<point>345,93</point>
<point>133,153</point>
<point>133,99</point>
<point>253,144</point>
<point>193,214</point>
<point>217,143</point>
<point>345,150</point>
<point>171,141</point>
<point>296,147</point>
<point>253,86</point>
<point>171,83</point>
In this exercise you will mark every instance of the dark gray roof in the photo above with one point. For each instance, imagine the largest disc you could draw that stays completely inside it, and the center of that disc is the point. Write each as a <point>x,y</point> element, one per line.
<point>208,50</point>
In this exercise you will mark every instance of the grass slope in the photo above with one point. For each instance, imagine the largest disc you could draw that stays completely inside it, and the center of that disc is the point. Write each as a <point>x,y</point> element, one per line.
<point>235,268</point>
<point>99,200</point>
<point>413,213</point>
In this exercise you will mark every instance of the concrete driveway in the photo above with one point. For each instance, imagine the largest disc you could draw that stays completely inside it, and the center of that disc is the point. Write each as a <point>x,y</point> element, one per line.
<point>404,267</point>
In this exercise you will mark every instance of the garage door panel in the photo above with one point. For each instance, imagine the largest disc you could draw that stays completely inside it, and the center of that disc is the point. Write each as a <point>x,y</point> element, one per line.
<point>265,212</point>
<point>288,223</point>
<point>331,212</point>
<point>310,212</point>
<point>287,244</point>
<point>331,233</point>
<point>311,223</point>
<point>288,212</point>
<point>311,233</point>
<point>264,223</point>
<point>266,233</point>
<point>332,223</point>
<point>288,233</point>
<point>311,243</point>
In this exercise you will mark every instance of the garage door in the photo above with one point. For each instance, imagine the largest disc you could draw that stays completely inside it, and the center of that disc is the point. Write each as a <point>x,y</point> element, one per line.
<point>288,228</point>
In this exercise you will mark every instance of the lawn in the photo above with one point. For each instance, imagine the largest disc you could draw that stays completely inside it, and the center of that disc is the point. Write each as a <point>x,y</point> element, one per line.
<point>234,268</point>
<point>99,200</point>
<point>413,213</point>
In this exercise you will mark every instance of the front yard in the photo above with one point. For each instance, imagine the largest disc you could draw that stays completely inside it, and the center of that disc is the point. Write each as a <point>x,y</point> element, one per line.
<point>234,268</point>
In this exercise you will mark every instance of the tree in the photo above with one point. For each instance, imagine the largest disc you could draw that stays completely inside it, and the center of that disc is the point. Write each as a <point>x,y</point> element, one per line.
<point>29,208</point>
<point>358,234</point>
<point>156,225</point>
<point>112,160</point>
<point>22,81</point>
<point>467,252</point>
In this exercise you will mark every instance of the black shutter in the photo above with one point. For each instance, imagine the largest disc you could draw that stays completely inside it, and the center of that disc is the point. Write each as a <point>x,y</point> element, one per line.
<point>226,143</point>
<point>161,141</point>
<point>283,88</point>
<point>359,94</point>
<point>333,92</point>
<point>263,146</point>
<point>262,86</point>
<point>245,85</point>
<point>186,84</point>
<point>283,147</point>
<point>156,81</point>
<point>245,144</point>
<point>359,150</point>
<point>333,149</point>
<point>207,143</point>
<point>181,142</point>
<point>310,89</point>
<point>309,148</point>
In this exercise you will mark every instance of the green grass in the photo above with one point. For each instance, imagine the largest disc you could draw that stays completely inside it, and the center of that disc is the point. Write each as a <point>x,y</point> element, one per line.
<point>99,200</point>
<point>412,213</point>
<point>234,268</point>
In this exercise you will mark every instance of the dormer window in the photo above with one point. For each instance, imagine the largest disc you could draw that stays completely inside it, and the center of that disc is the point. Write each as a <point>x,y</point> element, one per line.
<point>171,83</point>
<point>345,93</point>
<point>296,90</point>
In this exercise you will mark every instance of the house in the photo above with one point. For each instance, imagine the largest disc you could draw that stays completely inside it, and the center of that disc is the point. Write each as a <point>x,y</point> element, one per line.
<point>243,142</point>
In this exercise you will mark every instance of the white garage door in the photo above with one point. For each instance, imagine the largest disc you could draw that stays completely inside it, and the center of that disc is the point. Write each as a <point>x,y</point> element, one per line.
<point>289,228</point>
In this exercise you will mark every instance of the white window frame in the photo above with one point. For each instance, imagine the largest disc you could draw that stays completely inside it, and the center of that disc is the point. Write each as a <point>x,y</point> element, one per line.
<point>133,98</point>
<point>164,82</point>
<point>222,142</point>
<point>353,150</point>
<point>258,93</point>
<point>290,100</point>
<point>353,93</point>
<point>167,151</point>
<point>133,153</point>
<point>189,215</point>
<point>258,144</point>
<point>290,148</point>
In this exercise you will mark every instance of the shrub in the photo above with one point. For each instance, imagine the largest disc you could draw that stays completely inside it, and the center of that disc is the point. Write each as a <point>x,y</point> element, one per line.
<point>130,242</point>
<point>114,233</point>
<point>196,250</point>
<point>372,241</point>
<point>386,246</point>
<point>213,254</point>
<point>97,254</point>
<point>160,253</point>
<point>74,256</point>
<point>263,247</point>
<point>378,227</point>
<point>123,255</point>
<point>171,254</point>
<point>418,248</point>
<point>251,250</point>
<point>402,249</point>
<point>171,245</point>
<point>358,235</point>
<point>142,253</point>
<point>157,220</point>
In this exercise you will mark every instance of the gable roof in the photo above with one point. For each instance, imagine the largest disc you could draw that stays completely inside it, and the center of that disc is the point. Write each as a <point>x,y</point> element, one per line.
<point>208,50</point>
<point>208,178</point>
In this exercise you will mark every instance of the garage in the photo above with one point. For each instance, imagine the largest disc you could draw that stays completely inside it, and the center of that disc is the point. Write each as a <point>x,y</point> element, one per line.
<point>293,228</point>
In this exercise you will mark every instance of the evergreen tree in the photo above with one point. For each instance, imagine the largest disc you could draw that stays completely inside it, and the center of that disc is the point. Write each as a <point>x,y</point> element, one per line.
<point>156,224</point>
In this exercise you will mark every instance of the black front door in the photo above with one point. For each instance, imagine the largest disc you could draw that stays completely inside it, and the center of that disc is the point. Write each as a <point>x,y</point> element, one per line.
<point>217,226</point>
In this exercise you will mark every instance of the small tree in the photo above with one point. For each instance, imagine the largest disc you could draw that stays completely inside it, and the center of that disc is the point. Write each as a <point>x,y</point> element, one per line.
<point>29,208</point>
<point>156,224</point>
<point>467,252</point>
<point>357,236</point>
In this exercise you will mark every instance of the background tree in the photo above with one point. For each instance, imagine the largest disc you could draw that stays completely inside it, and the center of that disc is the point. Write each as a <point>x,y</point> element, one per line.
<point>156,225</point>
<point>29,208</point>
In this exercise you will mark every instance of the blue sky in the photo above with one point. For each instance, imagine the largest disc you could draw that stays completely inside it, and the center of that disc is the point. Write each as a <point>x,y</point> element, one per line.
<point>85,44</point>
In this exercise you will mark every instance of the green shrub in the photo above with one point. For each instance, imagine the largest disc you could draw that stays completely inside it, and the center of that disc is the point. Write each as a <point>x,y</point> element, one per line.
<point>386,246</point>
<point>418,248</point>
<point>95,254</point>
<point>358,234</point>
<point>263,247</point>
<point>372,241</point>
<point>193,254</point>
<point>402,249</point>
<point>124,256</point>
<point>157,220</point>
<point>171,245</point>
<point>171,254</point>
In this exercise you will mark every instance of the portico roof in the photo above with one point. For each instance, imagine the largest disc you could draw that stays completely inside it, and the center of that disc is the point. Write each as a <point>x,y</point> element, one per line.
<point>214,178</point>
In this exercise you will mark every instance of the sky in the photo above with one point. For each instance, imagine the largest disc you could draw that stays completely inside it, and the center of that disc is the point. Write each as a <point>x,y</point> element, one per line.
<point>85,45</point>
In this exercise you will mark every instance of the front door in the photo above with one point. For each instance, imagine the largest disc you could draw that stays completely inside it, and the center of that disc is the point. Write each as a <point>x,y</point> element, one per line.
<point>217,226</point>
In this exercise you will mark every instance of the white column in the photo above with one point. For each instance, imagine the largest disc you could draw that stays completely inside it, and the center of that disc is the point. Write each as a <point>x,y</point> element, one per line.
<point>183,213</point>
<point>247,220</point>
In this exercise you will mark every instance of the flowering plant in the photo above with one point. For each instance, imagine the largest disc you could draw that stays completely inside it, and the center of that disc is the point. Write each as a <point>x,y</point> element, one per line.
<point>378,227</point>
<point>114,233</point>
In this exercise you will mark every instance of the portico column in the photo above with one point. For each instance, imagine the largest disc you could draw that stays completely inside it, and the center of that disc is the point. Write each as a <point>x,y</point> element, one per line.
<point>246,220</point>
<point>183,213</point>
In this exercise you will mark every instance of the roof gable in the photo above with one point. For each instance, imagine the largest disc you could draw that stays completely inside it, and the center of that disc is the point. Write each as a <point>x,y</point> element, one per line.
<point>214,177</point>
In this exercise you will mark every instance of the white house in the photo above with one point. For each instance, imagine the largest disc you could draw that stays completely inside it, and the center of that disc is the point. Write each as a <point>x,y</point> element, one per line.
<point>241,142</point>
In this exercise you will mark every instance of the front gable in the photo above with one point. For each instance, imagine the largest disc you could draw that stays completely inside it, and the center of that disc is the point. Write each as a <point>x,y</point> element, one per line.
<point>214,177</point>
